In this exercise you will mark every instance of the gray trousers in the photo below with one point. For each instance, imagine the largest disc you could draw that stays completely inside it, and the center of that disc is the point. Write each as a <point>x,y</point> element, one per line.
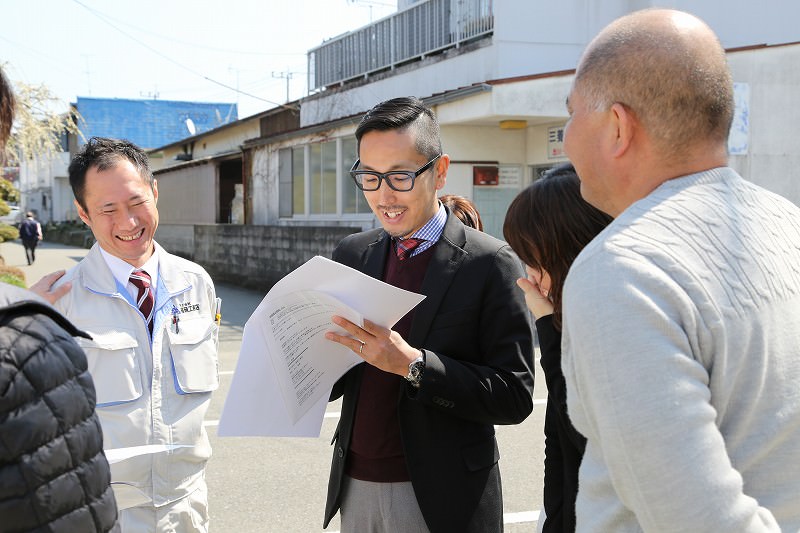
<point>369,507</point>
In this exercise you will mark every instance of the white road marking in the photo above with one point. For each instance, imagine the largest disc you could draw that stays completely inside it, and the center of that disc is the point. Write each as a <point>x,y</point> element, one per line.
<point>511,518</point>
<point>521,518</point>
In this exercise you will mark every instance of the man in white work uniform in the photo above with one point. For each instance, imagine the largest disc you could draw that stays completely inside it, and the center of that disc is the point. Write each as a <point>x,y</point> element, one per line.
<point>153,354</point>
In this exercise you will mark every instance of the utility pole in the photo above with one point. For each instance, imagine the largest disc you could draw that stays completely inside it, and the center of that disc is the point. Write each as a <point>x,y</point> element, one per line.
<point>231,68</point>
<point>88,73</point>
<point>370,4</point>
<point>150,94</point>
<point>288,75</point>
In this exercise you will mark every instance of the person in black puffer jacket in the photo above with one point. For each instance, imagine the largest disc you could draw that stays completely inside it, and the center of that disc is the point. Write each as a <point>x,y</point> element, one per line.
<point>54,476</point>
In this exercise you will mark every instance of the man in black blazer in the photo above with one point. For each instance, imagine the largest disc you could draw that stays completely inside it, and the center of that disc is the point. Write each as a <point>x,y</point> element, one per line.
<point>415,449</point>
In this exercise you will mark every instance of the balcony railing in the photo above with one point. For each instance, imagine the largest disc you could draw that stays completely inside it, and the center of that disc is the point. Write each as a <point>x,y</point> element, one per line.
<point>420,30</point>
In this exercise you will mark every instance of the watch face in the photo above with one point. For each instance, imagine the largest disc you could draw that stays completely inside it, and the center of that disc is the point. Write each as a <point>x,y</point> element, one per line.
<point>415,371</point>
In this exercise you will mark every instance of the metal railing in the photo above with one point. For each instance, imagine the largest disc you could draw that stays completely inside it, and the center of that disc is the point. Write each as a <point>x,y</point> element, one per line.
<point>420,30</point>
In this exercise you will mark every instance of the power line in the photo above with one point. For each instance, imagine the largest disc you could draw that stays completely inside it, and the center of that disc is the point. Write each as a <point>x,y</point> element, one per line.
<point>103,18</point>
<point>193,45</point>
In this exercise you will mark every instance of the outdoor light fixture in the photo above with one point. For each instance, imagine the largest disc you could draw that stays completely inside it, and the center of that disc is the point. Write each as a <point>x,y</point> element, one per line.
<point>513,124</point>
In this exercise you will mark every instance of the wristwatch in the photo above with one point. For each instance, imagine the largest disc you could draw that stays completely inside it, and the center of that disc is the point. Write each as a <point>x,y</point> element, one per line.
<point>415,369</point>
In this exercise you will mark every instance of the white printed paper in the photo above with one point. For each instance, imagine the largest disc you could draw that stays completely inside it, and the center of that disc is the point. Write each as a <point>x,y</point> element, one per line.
<point>295,329</point>
<point>286,367</point>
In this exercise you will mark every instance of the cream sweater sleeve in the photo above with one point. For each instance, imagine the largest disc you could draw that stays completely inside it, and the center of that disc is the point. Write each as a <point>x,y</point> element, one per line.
<point>641,336</point>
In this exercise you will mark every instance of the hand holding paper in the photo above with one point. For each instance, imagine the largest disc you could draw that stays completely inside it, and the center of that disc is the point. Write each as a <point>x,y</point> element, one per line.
<point>286,366</point>
<point>381,347</point>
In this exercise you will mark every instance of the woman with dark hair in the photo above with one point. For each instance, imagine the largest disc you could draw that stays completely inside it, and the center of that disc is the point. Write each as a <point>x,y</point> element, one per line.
<point>464,209</point>
<point>547,225</point>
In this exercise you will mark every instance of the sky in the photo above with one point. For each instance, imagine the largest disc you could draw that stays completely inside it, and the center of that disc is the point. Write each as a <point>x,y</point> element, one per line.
<point>189,50</point>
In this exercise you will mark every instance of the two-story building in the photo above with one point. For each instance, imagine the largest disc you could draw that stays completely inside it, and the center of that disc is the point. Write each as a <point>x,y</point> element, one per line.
<point>497,75</point>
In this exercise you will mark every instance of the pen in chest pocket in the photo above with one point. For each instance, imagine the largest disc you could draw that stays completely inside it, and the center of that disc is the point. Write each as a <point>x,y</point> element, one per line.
<point>175,318</point>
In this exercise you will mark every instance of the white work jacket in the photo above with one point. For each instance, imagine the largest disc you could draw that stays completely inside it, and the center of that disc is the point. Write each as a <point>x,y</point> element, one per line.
<point>149,394</point>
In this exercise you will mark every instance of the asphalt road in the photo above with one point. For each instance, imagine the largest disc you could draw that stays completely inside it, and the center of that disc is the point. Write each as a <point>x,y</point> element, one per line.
<point>278,485</point>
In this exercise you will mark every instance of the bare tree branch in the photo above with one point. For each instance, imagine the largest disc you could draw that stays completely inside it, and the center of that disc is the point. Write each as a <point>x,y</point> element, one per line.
<point>37,128</point>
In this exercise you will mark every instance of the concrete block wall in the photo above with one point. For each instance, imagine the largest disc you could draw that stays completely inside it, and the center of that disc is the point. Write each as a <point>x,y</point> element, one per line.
<point>177,239</point>
<point>256,257</point>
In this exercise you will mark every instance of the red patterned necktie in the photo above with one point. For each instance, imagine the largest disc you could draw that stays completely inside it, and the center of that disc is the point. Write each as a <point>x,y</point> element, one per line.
<point>145,299</point>
<point>406,246</point>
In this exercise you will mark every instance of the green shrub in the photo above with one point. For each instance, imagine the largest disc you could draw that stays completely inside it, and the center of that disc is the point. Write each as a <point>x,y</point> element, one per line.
<point>12,280</point>
<point>8,233</point>
<point>12,276</point>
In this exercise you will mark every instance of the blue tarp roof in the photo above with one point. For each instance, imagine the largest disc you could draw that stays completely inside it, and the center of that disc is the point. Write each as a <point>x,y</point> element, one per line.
<point>150,123</point>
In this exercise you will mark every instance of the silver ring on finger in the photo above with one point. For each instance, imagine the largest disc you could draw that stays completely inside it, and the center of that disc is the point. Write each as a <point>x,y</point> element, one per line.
<point>361,349</point>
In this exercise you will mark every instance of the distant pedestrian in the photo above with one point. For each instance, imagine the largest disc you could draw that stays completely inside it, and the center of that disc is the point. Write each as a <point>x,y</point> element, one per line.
<point>30,231</point>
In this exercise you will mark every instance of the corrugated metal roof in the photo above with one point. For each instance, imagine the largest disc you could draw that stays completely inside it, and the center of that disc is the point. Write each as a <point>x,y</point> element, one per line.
<point>150,123</point>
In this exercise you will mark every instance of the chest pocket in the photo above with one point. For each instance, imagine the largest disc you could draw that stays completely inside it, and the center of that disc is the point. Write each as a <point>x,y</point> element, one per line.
<point>111,355</point>
<point>194,355</point>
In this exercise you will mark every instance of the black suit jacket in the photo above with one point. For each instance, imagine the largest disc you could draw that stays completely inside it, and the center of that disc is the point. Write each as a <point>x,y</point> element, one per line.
<point>478,340</point>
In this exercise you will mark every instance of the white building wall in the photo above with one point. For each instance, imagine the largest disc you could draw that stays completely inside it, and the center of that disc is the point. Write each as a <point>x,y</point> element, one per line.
<point>744,22</point>
<point>772,159</point>
<point>39,186</point>
<point>542,99</point>
<point>63,201</point>
<point>536,152</point>
<point>483,143</point>
<point>471,145</point>
<point>426,78</point>
<point>531,34</point>
<point>185,194</point>
<point>534,37</point>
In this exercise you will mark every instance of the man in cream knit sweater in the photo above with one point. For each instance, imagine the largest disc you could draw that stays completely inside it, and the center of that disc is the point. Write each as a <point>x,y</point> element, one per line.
<point>682,319</point>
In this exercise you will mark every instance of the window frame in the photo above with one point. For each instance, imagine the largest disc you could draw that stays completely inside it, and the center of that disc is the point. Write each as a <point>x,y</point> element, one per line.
<point>342,167</point>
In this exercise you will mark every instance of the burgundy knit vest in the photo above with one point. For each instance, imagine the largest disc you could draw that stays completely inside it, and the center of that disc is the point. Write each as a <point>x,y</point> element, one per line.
<point>376,448</point>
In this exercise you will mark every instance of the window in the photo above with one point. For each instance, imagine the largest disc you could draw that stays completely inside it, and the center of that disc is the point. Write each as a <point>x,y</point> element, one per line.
<point>352,198</point>
<point>320,181</point>
<point>322,167</point>
<point>298,182</point>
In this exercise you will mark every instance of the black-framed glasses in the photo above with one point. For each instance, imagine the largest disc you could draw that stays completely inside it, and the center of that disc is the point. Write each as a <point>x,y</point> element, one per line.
<point>399,180</point>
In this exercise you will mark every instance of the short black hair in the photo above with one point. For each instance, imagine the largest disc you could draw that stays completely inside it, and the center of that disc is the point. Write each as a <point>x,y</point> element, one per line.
<point>401,114</point>
<point>104,153</point>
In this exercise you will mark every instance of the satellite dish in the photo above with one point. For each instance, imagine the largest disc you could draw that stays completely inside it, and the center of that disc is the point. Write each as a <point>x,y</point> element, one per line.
<point>190,126</point>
